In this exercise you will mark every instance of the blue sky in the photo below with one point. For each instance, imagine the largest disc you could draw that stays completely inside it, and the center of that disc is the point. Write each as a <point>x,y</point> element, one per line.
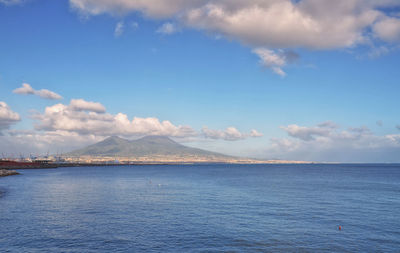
<point>203,75</point>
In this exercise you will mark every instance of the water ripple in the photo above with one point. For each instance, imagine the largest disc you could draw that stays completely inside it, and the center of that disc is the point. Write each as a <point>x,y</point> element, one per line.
<point>202,208</point>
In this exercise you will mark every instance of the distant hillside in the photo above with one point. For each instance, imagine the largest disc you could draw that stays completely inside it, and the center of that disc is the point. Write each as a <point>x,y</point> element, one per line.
<point>146,146</point>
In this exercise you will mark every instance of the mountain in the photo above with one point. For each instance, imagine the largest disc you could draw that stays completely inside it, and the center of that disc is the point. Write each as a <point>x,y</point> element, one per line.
<point>149,146</point>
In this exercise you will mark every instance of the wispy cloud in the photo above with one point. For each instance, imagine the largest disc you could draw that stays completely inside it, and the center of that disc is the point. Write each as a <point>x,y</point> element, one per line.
<point>329,142</point>
<point>275,60</point>
<point>167,29</point>
<point>135,25</point>
<point>26,89</point>
<point>376,52</point>
<point>119,29</point>
<point>11,2</point>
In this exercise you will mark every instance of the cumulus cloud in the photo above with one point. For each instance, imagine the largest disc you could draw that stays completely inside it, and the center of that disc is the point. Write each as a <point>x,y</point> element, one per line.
<point>229,134</point>
<point>62,128</point>
<point>79,123</point>
<point>119,29</point>
<point>270,24</point>
<point>309,133</point>
<point>388,29</point>
<point>328,142</point>
<point>310,24</point>
<point>7,116</point>
<point>28,90</point>
<point>167,29</point>
<point>85,117</point>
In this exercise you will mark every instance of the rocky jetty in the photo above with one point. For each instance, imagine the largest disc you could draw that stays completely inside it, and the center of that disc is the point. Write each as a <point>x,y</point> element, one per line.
<point>4,173</point>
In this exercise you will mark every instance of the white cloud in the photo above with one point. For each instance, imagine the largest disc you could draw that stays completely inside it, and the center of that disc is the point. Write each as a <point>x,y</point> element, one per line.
<point>48,94</point>
<point>328,142</point>
<point>25,89</point>
<point>119,29</point>
<point>28,90</point>
<point>82,105</point>
<point>310,133</point>
<point>167,28</point>
<point>229,134</point>
<point>83,117</point>
<point>62,128</point>
<point>272,60</point>
<point>81,122</point>
<point>255,133</point>
<point>388,29</point>
<point>270,24</point>
<point>7,116</point>
<point>322,24</point>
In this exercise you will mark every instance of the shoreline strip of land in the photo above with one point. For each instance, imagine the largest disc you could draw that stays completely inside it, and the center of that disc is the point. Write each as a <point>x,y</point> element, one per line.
<point>5,173</point>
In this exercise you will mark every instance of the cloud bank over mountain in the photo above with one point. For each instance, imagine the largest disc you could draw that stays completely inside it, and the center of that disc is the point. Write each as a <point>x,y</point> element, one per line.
<point>81,122</point>
<point>85,117</point>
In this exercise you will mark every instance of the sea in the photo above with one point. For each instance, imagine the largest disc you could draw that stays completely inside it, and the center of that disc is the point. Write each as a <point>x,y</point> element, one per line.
<point>203,208</point>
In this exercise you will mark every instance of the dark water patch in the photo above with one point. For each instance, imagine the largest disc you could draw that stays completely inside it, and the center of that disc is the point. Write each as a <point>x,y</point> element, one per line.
<point>3,191</point>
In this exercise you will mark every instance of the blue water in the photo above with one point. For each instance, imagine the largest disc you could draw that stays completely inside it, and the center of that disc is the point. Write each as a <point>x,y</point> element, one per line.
<point>202,208</point>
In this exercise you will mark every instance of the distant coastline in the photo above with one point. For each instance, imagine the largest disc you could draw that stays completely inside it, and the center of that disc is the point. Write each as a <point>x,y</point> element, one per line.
<point>7,165</point>
<point>149,150</point>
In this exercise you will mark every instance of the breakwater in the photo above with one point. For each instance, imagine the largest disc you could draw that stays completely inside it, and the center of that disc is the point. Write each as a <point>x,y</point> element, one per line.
<point>4,173</point>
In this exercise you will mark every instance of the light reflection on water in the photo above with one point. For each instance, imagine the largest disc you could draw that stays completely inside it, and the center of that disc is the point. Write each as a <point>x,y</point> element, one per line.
<point>287,208</point>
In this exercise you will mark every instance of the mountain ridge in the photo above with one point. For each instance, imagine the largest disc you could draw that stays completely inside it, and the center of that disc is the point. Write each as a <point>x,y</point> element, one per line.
<point>148,146</point>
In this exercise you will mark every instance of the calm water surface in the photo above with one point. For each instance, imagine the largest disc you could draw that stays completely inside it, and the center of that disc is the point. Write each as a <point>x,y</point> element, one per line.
<point>202,208</point>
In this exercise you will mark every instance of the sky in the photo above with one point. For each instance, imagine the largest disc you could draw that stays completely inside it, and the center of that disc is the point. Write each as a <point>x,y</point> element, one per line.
<point>311,80</point>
